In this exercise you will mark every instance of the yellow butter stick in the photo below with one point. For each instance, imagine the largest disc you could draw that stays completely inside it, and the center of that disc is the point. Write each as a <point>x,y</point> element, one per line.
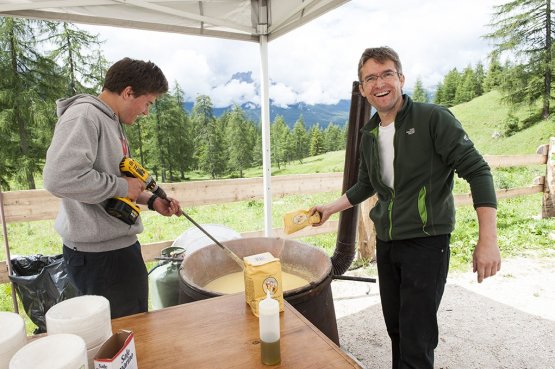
<point>296,220</point>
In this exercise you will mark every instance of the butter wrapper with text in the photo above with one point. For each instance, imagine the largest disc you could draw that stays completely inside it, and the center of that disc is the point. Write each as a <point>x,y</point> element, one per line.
<point>296,220</point>
<point>262,273</point>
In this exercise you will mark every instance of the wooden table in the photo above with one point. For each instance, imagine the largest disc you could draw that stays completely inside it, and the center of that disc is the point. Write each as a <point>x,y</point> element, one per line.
<point>221,333</point>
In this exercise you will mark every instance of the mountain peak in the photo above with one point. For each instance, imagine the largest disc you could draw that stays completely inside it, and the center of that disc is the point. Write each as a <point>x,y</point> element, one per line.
<point>243,77</point>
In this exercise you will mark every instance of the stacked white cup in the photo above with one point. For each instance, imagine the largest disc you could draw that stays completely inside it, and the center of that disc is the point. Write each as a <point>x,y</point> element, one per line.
<point>86,316</point>
<point>12,336</point>
<point>57,351</point>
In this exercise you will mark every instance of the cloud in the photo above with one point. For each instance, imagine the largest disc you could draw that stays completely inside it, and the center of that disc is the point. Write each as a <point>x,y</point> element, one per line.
<point>191,70</point>
<point>317,63</point>
<point>235,92</point>
<point>283,95</point>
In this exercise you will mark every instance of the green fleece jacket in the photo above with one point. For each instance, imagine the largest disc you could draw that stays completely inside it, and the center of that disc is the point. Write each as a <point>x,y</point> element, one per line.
<point>430,145</point>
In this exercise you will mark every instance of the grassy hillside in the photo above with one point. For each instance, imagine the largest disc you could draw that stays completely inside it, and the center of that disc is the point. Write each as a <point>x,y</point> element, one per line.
<point>481,118</point>
<point>486,115</point>
<point>330,162</point>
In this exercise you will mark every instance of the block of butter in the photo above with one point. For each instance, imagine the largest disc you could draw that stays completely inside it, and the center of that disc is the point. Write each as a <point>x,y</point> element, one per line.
<point>262,273</point>
<point>298,219</point>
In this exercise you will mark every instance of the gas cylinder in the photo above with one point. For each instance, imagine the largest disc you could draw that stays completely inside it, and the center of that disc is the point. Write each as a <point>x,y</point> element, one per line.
<point>163,279</point>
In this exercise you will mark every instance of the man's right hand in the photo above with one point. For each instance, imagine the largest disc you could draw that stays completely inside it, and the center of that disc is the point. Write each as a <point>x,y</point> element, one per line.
<point>323,215</point>
<point>329,209</point>
<point>134,187</point>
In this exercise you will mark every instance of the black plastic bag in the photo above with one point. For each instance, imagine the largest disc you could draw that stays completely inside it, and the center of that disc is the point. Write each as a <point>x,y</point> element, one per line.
<point>41,282</point>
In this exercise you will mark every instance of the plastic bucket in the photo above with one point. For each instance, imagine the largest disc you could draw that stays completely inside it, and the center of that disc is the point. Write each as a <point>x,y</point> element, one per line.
<point>193,238</point>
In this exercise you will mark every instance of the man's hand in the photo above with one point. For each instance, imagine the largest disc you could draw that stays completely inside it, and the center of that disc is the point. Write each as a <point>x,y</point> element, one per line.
<point>134,187</point>
<point>328,210</point>
<point>486,260</point>
<point>167,207</point>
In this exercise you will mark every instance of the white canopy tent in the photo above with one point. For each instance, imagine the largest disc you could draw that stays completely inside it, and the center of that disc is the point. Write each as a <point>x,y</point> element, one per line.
<point>247,20</point>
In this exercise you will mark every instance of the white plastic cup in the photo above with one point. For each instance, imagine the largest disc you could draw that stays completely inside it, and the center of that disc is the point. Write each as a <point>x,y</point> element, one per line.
<point>86,316</point>
<point>57,351</point>
<point>12,336</point>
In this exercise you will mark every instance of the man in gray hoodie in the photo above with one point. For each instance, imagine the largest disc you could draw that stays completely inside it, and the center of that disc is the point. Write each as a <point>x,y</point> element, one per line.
<point>102,253</point>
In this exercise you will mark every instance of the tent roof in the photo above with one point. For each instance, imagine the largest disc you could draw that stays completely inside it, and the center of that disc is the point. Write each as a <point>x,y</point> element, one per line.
<point>232,19</point>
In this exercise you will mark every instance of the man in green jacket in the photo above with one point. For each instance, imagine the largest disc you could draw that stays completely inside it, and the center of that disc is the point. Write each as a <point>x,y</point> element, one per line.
<point>409,153</point>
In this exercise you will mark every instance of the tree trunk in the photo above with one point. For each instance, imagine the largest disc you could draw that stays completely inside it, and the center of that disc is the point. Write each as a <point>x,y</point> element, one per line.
<point>548,58</point>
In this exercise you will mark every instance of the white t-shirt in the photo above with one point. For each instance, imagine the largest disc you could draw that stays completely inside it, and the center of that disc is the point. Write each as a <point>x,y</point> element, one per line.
<point>387,154</point>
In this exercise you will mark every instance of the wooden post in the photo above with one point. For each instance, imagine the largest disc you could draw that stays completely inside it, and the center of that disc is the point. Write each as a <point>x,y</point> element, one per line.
<point>548,203</point>
<point>7,248</point>
<point>366,231</point>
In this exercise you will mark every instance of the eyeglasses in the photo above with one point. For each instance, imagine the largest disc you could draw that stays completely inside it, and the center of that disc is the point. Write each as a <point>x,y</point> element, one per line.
<point>386,76</point>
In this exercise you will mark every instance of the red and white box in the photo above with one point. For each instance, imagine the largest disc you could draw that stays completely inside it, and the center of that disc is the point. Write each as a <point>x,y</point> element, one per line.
<point>118,352</point>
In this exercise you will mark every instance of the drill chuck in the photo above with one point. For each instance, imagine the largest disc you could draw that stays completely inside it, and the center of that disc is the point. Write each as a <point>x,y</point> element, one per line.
<point>160,192</point>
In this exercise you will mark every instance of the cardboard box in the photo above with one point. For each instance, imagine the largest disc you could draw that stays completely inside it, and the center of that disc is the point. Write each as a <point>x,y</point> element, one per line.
<point>262,273</point>
<point>118,352</point>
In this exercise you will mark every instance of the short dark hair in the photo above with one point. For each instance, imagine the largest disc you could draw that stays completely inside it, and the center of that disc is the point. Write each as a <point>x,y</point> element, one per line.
<point>143,77</point>
<point>381,55</point>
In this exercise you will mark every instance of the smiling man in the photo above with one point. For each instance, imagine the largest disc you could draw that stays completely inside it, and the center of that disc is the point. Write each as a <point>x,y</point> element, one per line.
<point>409,153</point>
<point>101,252</point>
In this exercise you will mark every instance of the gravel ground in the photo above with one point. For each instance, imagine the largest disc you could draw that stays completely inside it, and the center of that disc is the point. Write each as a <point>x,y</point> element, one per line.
<point>507,322</point>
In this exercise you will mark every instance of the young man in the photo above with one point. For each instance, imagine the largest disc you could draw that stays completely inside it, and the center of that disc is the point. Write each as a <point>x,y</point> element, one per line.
<point>409,153</point>
<point>102,253</point>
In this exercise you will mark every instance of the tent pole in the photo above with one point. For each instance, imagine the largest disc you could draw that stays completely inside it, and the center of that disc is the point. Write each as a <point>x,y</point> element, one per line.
<point>7,248</point>
<point>265,121</point>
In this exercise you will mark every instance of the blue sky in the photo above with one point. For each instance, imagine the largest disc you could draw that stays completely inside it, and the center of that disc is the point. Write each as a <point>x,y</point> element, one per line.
<point>317,62</point>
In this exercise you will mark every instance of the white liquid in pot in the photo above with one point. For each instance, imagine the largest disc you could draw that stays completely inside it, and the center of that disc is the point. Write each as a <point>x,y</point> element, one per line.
<point>235,282</point>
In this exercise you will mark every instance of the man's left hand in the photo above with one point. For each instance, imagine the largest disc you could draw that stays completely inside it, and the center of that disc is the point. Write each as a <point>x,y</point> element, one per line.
<point>486,260</point>
<point>167,207</point>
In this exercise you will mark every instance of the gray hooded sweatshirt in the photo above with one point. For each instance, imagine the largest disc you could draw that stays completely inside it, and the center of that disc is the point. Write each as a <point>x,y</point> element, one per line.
<point>82,168</point>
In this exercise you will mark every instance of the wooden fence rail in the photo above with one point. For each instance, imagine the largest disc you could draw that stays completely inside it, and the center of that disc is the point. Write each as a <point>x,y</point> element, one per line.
<point>33,205</point>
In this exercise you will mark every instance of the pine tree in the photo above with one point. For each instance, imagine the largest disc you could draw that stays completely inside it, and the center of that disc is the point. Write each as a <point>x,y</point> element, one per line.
<point>438,98</point>
<point>467,86</point>
<point>201,117</point>
<point>450,84</point>
<point>333,138</point>
<point>182,143</point>
<point>257,149</point>
<point>279,138</point>
<point>494,75</point>
<point>525,28</point>
<point>239,141</point>
<point>160,149</point>
<point>78,53</point>
<point>174,145</point>
<point>29,86</point>
<point>209,138</point>
<point>300,140</point>
<point>420,94</point>
<point>316,141</point>
<point>480,75</point>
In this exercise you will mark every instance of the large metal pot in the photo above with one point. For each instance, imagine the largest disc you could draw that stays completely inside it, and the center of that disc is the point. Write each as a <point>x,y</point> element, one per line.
<point>314,301</point>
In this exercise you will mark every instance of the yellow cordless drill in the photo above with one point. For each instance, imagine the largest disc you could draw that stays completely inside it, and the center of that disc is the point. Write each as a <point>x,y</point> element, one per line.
<point>124,208</point>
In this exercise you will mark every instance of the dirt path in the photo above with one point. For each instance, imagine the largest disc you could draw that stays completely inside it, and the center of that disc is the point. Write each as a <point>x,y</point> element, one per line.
<point>507,322</point>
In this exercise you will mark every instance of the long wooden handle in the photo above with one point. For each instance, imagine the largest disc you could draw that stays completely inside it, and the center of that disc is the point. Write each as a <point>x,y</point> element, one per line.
<point>229,252</point>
